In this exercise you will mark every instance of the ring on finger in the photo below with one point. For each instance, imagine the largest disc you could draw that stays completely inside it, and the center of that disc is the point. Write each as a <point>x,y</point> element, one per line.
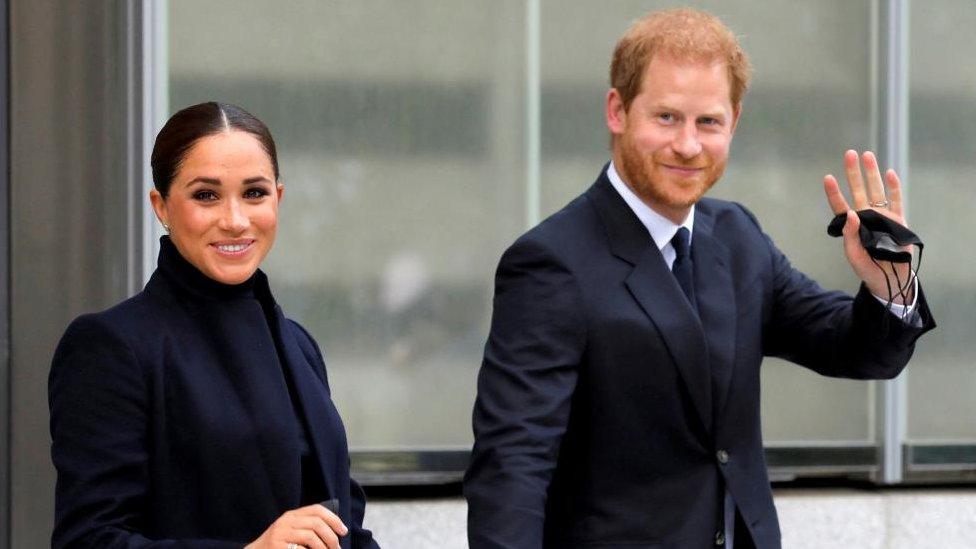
<point>880,204</point>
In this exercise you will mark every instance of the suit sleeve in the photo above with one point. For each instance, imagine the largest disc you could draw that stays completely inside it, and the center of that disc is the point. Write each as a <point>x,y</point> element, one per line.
<point>834,334</point>
<point>525,387</point>
<point>98,401</point>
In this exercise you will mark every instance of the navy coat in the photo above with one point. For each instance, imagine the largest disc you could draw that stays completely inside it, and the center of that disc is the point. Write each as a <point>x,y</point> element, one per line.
<point>610,414</point>
<point>172,423</point>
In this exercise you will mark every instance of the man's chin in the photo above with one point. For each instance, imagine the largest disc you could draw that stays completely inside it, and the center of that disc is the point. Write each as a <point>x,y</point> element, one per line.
<point>682,201</point>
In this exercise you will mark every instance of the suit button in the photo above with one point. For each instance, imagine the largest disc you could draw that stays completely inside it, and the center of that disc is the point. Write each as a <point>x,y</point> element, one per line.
<point>723,456</point>
<point>719,538</point>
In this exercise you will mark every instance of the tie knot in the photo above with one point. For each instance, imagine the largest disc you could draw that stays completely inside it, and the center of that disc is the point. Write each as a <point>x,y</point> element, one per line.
<point>681,243</point>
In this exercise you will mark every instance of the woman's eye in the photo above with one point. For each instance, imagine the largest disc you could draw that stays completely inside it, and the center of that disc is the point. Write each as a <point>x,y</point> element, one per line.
<point>255,193</point>
<point>205,196</point>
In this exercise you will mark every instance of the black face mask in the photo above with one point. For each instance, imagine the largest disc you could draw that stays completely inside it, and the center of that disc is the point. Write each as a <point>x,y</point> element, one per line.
<point>883,239</point>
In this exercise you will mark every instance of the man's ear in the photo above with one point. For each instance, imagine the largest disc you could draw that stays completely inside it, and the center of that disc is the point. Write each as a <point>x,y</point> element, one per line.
<point>736,111</point>
<point>159,206</point>
<point>616,112</point>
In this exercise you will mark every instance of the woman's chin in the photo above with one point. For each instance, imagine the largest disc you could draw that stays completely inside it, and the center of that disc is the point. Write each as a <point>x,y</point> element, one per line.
<point>232,275</point>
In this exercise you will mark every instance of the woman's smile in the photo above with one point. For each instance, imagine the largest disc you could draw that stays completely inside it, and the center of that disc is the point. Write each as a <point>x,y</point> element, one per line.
<point>233,249</point>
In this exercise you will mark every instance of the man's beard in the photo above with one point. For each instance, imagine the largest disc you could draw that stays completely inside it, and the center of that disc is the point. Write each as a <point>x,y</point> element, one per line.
<point>658,189</point>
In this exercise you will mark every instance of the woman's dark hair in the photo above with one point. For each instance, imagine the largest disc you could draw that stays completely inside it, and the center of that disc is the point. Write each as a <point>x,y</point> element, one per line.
<point>189,125</point>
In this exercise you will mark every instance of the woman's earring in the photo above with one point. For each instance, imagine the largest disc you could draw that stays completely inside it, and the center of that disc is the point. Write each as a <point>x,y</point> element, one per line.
<point>165,226</point>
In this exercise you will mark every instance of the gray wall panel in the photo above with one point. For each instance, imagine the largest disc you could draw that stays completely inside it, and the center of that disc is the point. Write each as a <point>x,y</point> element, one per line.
<point>68,212</point>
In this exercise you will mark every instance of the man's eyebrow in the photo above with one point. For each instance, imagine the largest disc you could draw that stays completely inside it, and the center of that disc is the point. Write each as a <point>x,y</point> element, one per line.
<point>719,114</point>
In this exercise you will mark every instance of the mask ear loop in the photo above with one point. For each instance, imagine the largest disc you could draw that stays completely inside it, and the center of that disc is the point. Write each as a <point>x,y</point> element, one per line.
<point>902,289</point>
<point>913,274</point>
<point>891,295</point>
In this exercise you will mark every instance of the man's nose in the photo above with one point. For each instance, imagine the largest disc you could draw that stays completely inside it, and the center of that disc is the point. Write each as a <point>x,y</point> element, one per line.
<point>234,218</point>
<point>686,143</point>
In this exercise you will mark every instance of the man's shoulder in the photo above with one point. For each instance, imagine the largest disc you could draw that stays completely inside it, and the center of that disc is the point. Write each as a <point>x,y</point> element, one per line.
<point>573,226</point>
<point>726,215</point>
<point>719,208</point>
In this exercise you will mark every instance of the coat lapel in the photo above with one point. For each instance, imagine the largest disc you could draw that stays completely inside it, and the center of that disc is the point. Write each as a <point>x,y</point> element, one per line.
<point>716,303</point>
<point>239,329</point>
<point>320,415</point>
<point>657,292</point>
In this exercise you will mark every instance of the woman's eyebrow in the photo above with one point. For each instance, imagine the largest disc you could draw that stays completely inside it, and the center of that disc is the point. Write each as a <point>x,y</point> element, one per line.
<point>207,180</point>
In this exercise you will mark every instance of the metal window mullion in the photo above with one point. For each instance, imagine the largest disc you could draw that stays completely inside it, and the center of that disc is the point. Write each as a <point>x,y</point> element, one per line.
<point>5,369</point>
<point>893,39</point>
<point>532,112</point>
<point>154,108</point>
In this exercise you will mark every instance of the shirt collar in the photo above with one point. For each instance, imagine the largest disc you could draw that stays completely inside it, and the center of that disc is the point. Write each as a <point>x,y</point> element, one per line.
<point>660,228</point>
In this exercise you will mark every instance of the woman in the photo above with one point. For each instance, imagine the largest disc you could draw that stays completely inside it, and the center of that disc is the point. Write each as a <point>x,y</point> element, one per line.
<point>195,414</point>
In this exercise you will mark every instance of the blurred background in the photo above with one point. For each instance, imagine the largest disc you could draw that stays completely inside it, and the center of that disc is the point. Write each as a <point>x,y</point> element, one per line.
<point>418,139</point>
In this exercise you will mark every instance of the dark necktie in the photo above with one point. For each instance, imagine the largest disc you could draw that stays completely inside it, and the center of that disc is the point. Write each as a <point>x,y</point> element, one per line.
<point>682,267</point>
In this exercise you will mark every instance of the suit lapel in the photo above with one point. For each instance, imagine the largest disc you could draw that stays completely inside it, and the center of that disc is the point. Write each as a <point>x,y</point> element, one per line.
<point>716,303</point>
<point>657,292</point>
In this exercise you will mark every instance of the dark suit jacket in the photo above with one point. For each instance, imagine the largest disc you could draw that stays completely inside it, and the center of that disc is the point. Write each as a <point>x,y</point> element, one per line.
<point>172,423</point>
<point>604,400</point>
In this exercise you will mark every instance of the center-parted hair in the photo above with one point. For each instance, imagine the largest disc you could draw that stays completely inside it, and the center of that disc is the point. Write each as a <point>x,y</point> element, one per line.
<point>191,124</point>
<point>682,33</point>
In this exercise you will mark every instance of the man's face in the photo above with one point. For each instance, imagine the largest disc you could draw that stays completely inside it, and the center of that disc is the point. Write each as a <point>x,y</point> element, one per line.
<point>672,144</point>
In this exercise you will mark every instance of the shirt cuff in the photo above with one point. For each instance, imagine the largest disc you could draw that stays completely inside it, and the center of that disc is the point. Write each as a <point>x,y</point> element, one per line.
<point>905,313</point>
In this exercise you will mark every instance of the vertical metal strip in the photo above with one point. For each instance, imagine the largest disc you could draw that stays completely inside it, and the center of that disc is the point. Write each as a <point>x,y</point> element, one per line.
<point>132,32</point>
<point>876,104</point>
<point>5,370</point>
<point>155,106</point>
<point>532,113</point>
<point>894,38</point>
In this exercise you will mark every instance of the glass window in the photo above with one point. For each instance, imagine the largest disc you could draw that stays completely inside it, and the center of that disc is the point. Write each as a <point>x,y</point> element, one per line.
<point>403,139</point>
<point>942,380</point>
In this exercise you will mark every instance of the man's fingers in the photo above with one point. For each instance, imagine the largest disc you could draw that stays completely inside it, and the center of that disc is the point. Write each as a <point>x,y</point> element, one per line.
<point>852,168</point>
<point>834,197</point>
<point>894,192</point>
<point>852,242</point>
<point>875,187</point>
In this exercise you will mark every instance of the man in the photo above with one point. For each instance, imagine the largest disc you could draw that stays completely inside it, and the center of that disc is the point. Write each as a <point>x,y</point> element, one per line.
<point>618,400</point>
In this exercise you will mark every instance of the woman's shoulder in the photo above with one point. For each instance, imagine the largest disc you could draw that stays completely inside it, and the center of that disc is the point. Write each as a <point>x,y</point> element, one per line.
<point>100,346</point>
<point>124,328</point>
<point>128,317</point>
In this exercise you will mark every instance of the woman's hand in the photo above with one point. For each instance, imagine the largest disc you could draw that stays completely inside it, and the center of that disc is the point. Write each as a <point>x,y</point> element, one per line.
<point>314,527</point>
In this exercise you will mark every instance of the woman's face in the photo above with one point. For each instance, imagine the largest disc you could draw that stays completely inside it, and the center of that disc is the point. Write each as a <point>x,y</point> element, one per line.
<point>222,208</point>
